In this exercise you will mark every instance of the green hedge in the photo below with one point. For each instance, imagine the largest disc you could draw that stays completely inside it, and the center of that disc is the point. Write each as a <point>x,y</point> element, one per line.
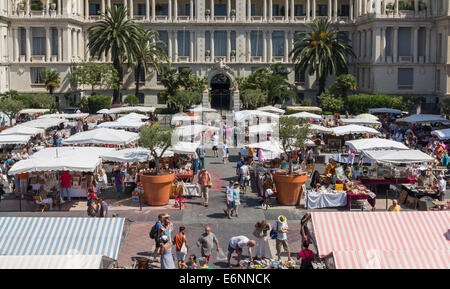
<point>97,102</point>
<point>361,103</point>
<point>165,110</point>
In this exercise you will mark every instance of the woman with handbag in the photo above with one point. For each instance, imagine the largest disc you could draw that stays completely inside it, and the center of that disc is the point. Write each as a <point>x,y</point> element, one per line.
<point>261,233</point>
<point>181,249</point>
<point>205,182</point>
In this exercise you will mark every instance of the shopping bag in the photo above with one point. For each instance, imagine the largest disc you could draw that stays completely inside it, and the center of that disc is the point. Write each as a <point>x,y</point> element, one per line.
<point>221,255</point>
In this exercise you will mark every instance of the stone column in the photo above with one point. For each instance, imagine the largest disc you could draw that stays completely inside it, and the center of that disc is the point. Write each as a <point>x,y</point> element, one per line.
<point>74,44</point>
<point>249,46</point>
<point>329,10</point>
<point>81,45</point>
<point>153,10</point>
<point>396,7</point>
<point>395,46</point>
<point>68,45</point>
<point>308,10</point>
<point>286,46</point>
<point>86,9</point>
<point>48,51</point>
<point>175,10</point>
<point>191,50</point>
<point>265,10</point>
<point>335,14</point>
<point>212,45</point>
<point>292,10</point>
<point>270,10</point>
<point>28,44</point>
<point>286,10</point>
<point>350,9</point>
<point>228,45</point>
<point>249,10</point>
<point>60,36</point>
<point>191,10</point>
<point>103,6</point>
<point>270,46</point>
<point>16,44</point>
<point>264,48</point>
<point>175,46</point>
<point>313,9</point>
<point>376,44</point>
<point>383,45</point>
<point>125,5</point>
<point>427,45</point>
<point>147,10</point>
<point>415,44</point>
<point>229,9</point>
<point>169,45</point>
<point>47,7</point>
<point>131,9</point>
<point>212,9</point>
<point>416,7</point>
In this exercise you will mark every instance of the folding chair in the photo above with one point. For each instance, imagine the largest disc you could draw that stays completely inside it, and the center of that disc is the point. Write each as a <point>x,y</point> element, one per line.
<point>39,202</point>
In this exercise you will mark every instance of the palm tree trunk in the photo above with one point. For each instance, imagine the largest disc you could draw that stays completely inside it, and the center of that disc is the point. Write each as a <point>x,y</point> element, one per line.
<point>116,94</point>
<point>322,83</point>
<point>138,74</point>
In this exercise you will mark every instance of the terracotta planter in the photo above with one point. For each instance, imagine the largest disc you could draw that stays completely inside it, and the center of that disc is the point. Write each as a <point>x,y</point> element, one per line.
<point>157,189</point>
<point>289,187</point>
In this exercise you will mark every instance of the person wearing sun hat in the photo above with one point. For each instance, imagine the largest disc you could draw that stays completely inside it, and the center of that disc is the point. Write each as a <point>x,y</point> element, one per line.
<point>280,228</point>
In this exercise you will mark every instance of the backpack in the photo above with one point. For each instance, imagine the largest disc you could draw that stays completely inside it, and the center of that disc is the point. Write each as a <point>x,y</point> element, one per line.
<point>153,232</point>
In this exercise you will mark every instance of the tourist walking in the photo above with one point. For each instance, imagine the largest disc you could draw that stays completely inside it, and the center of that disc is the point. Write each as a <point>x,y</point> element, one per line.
<point>205,182</point>
<point>206,243</point>
<point>280,228</point>
<point>215,148</point>
<point>201,152</point>
<point>166,254</point>
<point>261,232</point>
<point>237,244</point>
<point>102,208</point>
<point>225,151</point>
<point>244,177</point>
<point>442,187</point>
<point>182,246</point>
<point>236,199</point>
<point>304,230</point>
<point>118,180</point>
<point>155,233</point>
<point>65,183</point>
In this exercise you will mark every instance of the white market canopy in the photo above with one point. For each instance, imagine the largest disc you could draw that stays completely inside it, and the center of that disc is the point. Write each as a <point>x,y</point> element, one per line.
<point>122,109</point>
<point>195,129</point>
<point>271,109</point>
<point>367,116</point>
<point>305,114</point>
<point>102,136</point>
<point>121,124</point>
<point>65,115</point>
<point>54,152</point>
<point>261,128</point>
<point>183,147</point>
<point>200,109</point>
<point>398,156</point>
<point>423,118</point>
<point>132,155</point>
<point>385,110</point>
<point>14,139</point>
<point>243,115</point>
<point>442,134</point>
<point>353,129</point>
<point>271,145</point>
<point>34,110</point>
<point>54,262</point>
<point>77,164</point>
<point>176,118</point>
<point>360,121</point>
<point>133,117</point>
<point>22,130</point>
<point>375,144</point>
<point>319,128</point>
<point>44,123</point>
<point>304,108</point>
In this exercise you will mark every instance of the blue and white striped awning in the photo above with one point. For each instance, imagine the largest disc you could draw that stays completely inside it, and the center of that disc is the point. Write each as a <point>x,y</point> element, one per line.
<point>60,236</point>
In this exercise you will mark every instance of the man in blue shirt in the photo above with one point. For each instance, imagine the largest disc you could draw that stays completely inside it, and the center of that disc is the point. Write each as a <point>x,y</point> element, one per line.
<point>157,239</point>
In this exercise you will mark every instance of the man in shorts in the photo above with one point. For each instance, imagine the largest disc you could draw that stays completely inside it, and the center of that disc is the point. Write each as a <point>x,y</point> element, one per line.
<point>204,180</point>
<point>206,243</point>
<point>158,243</point>
<point>236,244</point>
<point>244,177</point>
<point>215,140</point>
<point>180,241</point>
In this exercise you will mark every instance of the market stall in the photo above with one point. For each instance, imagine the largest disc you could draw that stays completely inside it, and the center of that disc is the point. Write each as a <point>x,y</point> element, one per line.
<point>442,134</point>
<point>424,118</point>
<point>360,145</point>
<point>124,109</point>
<point>359,121</point>
<point>65,115</point>
<point>102,136</point>
<point>181,119</point>
<point>306,115</point>
<point>384,110</point>
<point>271,109</point>
<point>72,261</point>
<point>22,130</point>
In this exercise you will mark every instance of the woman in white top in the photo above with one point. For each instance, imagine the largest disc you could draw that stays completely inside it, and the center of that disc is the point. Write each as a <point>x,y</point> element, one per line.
<point>102,180</point>
<point>225,151</point>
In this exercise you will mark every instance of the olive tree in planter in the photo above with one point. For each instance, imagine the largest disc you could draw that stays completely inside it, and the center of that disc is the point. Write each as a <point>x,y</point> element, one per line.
<point>293,134</point>
<point>157,184</point>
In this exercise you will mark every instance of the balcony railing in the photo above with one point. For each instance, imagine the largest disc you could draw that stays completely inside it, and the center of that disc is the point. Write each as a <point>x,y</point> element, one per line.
<point>277,58</point>
<point>278,18</point>
<point>162,18</point>
<point>37,58</point>
<point>220,18</point>
<point>183,59</point>
<point>256,59</point>
<point>405,59</point>
<point>183,18</point>
<point>35,13</point>
<point>94,17</point>
<point>343,19</point>
<point>139,17</point>
<point>220,58</point>
<point>300,18</point>
<point>257,18</point>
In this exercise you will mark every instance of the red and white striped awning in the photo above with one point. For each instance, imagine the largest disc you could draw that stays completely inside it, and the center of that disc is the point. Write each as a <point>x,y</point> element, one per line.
<point>384,240</point>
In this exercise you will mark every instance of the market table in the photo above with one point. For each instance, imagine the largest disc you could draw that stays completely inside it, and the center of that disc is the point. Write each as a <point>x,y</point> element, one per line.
<point>419,192</point>
<point>367,181</point>
<point>352,197</point>
<point>191,190</point>
<point>185,177</point>
<point>315,200</point>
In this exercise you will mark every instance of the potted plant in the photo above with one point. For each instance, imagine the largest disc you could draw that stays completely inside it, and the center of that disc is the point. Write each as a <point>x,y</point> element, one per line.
<point>207,13</point>
<point>293,134</point>
<point>53,6</point>
<point>21,5</point>
<point>233,53</point>
<point>207,54</point>
<point>233,13</point>
<point>157,184</point>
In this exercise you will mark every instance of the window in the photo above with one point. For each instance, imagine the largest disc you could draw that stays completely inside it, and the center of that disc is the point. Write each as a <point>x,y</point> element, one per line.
<point>388,41</point>
<point>345,10</point>
<point>299,77</point>
<point>322,10</point>
<point>404,41</point>
<point>161,100</point>
<point>278,43</point>
<point>141,75</point>
<point>220,10</point>
<point>253,69</point>
<point>421,41</point>
<point>220,43</point>
<point>298,35</point>
<point>94,9</point>
<point>298,10</point>
<point>162,10</point>
<point>275,8</point>
<point>233,40</point>
<point>256,42</point>
<point>405,78</point>
<point>184,40</point>
<point>38,38</point>
<point>187,10</point>
<point>207,40</point>
<point>35,74</point>
<point>164,37</point>
<point>54,35</point>
<point>22,38</point>
<point>141,9</point>
<point>438,80</point>
<point>439,47</point>
<point>252,9</point>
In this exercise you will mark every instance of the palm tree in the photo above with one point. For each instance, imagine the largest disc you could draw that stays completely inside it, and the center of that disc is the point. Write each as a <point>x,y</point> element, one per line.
<point>51,79</point>
<point>322,51</point>
<point>149,54</point>
<point>115,34</point>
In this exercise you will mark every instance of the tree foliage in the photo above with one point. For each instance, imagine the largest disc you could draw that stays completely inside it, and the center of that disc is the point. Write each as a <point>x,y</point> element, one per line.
<point>445,106</point>
<point>42,100</point>
<point>253,98</point>
<point>10,107</point>
<point>157,139</point>
<point>330,102</point>
<point>184,99</point>
<point>361,103</point>
<point>131,100</point>
<point>94,75</point>
<point>51,79</point>
<point>97,102</point>
<point>322,51</point>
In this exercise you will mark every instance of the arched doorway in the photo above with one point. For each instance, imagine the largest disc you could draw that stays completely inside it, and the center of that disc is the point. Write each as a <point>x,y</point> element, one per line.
<point>220,92</point>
